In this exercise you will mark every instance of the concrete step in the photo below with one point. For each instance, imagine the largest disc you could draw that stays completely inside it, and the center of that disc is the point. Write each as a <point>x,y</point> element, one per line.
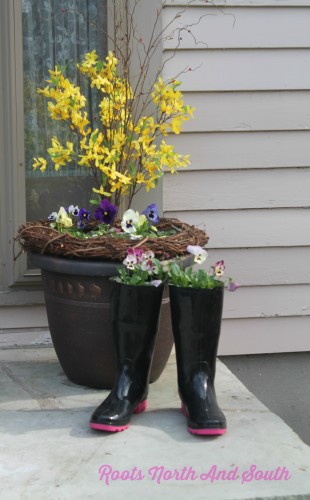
<point>48,451</point>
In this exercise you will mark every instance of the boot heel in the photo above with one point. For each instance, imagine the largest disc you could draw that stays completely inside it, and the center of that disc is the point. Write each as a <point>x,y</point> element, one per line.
<point>141,407</point>
<point>183,410</point>
<point>204,431</point>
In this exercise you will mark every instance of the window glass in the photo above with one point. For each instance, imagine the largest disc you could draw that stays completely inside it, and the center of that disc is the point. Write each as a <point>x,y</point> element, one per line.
<point>56,32</point>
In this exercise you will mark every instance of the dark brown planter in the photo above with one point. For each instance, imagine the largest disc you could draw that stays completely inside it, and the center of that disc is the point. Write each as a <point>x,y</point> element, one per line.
<point>77,297</point>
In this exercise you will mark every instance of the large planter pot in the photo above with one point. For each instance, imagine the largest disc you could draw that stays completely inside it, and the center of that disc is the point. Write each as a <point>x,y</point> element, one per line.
<point>77,296</point>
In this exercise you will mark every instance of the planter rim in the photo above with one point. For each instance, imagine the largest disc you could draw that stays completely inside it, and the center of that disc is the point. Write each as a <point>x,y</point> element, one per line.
<point>114,279</point>
<point>196,289</point>
<point>74,266</point>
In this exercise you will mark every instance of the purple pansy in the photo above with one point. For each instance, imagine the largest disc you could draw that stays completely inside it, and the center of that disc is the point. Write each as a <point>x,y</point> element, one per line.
<point>84,214</point>
<point>83,218</point>
<point>151,213</point>
<point>106,212</point>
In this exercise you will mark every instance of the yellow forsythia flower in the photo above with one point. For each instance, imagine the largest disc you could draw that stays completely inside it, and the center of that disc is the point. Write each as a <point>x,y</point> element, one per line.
<point>41,163</point>
<point>123,147</point>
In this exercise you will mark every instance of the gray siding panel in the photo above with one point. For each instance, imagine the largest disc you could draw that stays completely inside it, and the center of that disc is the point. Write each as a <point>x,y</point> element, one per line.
<point>248,183</point>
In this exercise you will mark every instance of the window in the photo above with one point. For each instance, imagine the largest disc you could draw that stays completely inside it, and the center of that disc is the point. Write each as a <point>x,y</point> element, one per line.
<point>34,37</point>
<point>56,32</point>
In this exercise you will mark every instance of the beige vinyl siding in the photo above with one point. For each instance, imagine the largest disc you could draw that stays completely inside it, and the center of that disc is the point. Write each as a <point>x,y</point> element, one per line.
<point>263,302</point>
<point>239,3</point>
<point>276,149</point>
<point>261,335</point>
<point>285,265</point>
<point>242,69</point>
<point>238,189</point>
<point>238,28</point>
<point>247,72</point>
<point>246,111</point>
<point>253,228</point>
<point>22,317</point>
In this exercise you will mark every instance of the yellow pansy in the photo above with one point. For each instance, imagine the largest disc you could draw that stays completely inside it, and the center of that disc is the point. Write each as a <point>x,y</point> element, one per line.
<point>63,219</point>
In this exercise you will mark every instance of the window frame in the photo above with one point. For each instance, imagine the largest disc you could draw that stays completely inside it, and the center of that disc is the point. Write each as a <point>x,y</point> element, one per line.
<point>12,145</point>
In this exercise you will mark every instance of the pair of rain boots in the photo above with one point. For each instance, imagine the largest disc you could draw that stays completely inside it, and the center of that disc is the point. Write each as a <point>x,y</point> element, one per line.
<point>196,321</point>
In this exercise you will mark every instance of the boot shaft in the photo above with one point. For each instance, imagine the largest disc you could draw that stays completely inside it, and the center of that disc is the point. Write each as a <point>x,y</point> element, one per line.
<point>135,316</point>
<point>196,316</point>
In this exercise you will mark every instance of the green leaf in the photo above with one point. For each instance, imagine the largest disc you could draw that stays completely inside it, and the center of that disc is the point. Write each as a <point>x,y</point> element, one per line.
<point>132,169</point>
<point>55,81</point>
<point>99,65</point>
<point>62,69</point>
<point>103,179</point>
<point>93,137</point>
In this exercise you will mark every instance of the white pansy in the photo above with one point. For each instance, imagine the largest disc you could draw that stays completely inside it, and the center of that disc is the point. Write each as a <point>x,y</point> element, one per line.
<point>200,254</point>
<point>130,221</point>
<point>130,261</point>
<point>52,216</point>
<point>149,255</point>
<point>74,210</point>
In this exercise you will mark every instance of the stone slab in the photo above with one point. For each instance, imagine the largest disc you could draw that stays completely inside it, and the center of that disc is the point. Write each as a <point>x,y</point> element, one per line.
<point>47,450</point>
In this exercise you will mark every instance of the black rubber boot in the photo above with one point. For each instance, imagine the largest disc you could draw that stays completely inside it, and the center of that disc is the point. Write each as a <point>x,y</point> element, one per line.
<point>196,321</point>
<point>135,311</point>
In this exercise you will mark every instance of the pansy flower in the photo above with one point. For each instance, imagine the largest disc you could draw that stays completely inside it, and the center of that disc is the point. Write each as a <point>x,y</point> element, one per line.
<point>148,255</point>
<point>219,268</point>
<point>52,216</point>
<point>130,221</point>
<point>130,261</point>
<point>73,210</point>
<point>84,215</point>
<point>200,255</point>
<point>136,252</point>
<point>151,213</point>
<point>106,212</point>
<point>147,262</point>
<point>63,219</point>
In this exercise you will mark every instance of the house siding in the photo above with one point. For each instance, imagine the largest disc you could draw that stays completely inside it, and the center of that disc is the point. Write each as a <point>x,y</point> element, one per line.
<point>246,68</point>
<point>248,183</point>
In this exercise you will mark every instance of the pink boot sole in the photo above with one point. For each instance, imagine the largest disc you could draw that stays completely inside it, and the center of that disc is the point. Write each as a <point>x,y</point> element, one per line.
<point>141,407</point>
<point>206,432</point>
<point>108,428</point>
<point>203,432</point>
